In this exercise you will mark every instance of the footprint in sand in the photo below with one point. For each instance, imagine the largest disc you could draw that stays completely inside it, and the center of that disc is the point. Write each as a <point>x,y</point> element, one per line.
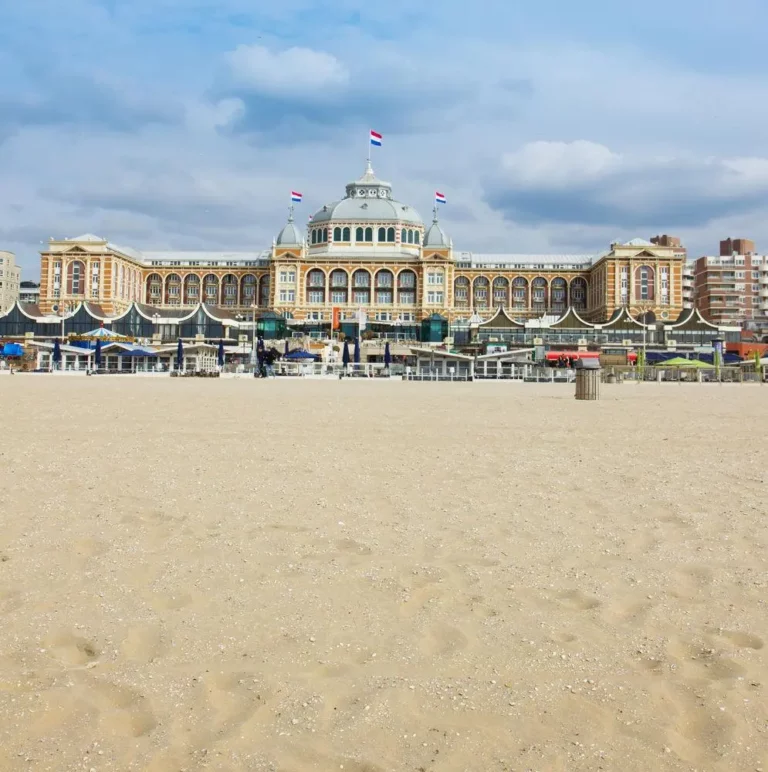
<point>122,710</point>
<point>576,599</point>
<point>143,643</point>
<point>70,649</point>
<point>744,640</point>
<point>445,640</point>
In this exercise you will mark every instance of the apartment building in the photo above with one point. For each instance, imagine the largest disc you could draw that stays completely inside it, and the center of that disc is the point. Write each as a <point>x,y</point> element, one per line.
<point>732,288</point>
<point>10,279</point>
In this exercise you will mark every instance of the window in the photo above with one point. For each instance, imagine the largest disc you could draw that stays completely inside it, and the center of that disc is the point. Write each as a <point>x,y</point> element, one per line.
<point>739,274</point>
<point>57,268</point>
<point>337,234</point>
<point>384,297</point>
<point>192,290</point>
<point>287,295</point>
<point>325,235</point>
<point>624,282</point>
<point>382,236</point>
<point>406,279</point>
<point>407,317</point>
<point>383,316</point>
<point>339,279</point>
<point>391,235</point>
<point>315,316</point>
<point>345,234</point>
<point>359,235</point>
<point>434,277</point>
<point>368,235</point>
<point>315,296</point>
<point>407,297</point>
<point>416,237</point>
<point>384,279</point>
<point>313,236</point>
<point>316,279</point>
<point>404,236</point>
<point>339,296</point>
<point>361,279</point>
<point>361,296</point>
<point>434,297</point>
<point>460,292</point>
<point>230,290</point>
<point>288,276</point>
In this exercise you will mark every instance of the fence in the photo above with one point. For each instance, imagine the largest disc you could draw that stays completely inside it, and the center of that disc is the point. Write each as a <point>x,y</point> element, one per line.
<point>681,375</point>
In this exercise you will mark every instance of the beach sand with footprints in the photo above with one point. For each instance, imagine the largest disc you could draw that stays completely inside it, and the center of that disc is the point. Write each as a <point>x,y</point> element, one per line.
<point>369,576</point>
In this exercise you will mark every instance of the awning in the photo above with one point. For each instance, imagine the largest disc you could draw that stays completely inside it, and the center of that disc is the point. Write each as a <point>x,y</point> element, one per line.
<point>555,355</point>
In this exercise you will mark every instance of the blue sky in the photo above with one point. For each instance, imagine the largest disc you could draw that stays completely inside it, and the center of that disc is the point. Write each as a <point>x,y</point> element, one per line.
<point>552,126</point>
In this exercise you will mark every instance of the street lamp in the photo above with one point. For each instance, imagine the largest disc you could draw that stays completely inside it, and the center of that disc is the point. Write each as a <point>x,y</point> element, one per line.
<point>253,333</point>
<point>239,318</point>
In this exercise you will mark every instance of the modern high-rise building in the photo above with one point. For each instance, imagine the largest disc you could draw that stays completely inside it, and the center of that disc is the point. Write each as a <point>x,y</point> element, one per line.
<point>10,279</point>
<point>732,288</point>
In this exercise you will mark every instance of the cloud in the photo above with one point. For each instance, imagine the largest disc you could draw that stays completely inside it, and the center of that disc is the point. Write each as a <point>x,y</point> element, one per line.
<point>586,182</point>
<point>293,72</point>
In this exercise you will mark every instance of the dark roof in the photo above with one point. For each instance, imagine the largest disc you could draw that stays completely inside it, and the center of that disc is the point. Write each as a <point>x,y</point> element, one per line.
<point>691,319</point>
<point>501,320</point>
<point>435,318</point>
<point>29,285</point>
<point>222,313</point>
<point>94,309</point>
<point>270,315</point>
<point>31,309</point>
<point>622,319</point>
<point>572,321</point>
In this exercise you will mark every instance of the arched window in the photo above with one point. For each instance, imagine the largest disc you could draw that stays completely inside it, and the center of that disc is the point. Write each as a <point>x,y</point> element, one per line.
<point>210,289</point>
<point>579,294</point>
<point>314,236</point>
<point>345,234</point>
<point>248,290</point>
<point>384,287</point>
<point>480,292</point>
<point>644,283</point>
<point>359,235</point>
<point>406,288</point>
<point>325,235</point>
<point>337,233</point>
<point>500,291</point>
<point>191,290</point>
<point>173,289</point>
<point>412,237</point>
<point>229,290</point>
<point>519,293</point>
<point>391,235</point>
<point>382,237</point>
<point>416,237</point>
<point>76,278</point>
<point>461,291</point>
<point>264,290</point>
<point>539,295</point>
<point>404,236</point>
<point>361,287</point>
<point>315,286</point>
<point>559,299</point>
<point>154,288</point>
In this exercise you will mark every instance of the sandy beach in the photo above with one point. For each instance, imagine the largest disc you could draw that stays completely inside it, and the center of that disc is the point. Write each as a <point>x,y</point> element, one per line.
<point>297,575</point>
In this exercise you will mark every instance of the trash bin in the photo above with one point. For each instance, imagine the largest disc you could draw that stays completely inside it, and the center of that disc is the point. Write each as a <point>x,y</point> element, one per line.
<point>587,379</point>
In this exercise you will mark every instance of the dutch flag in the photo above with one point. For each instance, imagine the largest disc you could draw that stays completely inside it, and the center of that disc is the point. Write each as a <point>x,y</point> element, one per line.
<point>375,138</point>
<point>439,198</point>
<point>296,197</point>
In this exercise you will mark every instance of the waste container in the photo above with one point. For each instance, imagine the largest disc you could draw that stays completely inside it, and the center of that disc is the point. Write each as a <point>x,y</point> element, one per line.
<point>587,379</point>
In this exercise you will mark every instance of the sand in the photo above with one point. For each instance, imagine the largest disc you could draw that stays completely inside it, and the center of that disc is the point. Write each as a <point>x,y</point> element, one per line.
<point>246,575</point>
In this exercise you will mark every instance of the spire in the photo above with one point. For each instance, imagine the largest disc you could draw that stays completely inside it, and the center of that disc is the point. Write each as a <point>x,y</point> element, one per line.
<point>434,213</point>
<point>290,213</point>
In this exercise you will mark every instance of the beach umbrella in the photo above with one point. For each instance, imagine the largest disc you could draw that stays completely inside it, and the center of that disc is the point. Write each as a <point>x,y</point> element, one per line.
<point>179,355</point>
<point>287,348</point>
<point>56,351</point>
<point>97,354</point>
<point>357,351</point>
<point>345,354</point>
<point>387,355</point>
<point>220,354</point>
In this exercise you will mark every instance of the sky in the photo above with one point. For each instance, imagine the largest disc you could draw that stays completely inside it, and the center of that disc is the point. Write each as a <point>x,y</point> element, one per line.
<point>552,127</point>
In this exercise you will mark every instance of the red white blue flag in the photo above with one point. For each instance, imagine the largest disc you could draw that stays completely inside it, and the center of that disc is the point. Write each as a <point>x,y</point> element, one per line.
<point>375,138</point>
<point>439,198</point>
<point>296,197</point>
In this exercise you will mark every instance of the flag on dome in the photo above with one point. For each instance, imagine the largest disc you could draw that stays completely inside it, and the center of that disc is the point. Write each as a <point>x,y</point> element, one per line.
<point>439,198</point>
<point>376,138</point>
<point>296,197</point>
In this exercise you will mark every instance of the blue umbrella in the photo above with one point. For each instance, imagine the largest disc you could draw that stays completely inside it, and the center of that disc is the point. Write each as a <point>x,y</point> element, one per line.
<point>387,355</point>
<point>357,351</point>
<point>221,353</point>
<point>345,354</point>
<point>56,351</point>
<point>97,354</point>
<point>287,348</point>
<point>180,355</point>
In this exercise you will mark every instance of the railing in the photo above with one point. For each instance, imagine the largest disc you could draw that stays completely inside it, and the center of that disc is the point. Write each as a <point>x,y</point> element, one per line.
<point>664,374</point>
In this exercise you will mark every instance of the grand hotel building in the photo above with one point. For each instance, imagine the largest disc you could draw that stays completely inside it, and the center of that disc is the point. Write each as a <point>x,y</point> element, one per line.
<point>370,251</point>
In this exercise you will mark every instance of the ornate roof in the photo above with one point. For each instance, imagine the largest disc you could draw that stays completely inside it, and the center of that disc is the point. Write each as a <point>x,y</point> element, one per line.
<point>367,199</point>
<point>435,235</point>
<point>290,234</point>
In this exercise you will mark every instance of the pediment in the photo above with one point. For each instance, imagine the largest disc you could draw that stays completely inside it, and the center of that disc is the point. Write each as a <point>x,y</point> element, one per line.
<point>76,251</point>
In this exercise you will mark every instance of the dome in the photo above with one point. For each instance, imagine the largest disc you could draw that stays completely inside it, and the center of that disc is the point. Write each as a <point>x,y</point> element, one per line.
<point>435,235</point>
<point>367,199</point>
<point>290,234</point>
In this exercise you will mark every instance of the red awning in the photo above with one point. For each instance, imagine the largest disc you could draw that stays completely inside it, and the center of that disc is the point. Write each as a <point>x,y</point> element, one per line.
<point>555,355</point>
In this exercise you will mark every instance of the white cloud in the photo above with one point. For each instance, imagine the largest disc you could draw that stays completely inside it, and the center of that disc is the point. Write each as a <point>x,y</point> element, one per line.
<point>560,164</point>
<point>292,72</point>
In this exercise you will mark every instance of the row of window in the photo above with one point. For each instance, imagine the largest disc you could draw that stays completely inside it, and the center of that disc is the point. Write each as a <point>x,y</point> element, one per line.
<point>365,235</point>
